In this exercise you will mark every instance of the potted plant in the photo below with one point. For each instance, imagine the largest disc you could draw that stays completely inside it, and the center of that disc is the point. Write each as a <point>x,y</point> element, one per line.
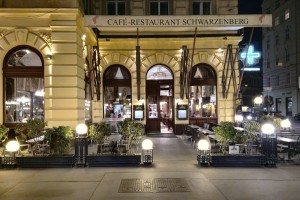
<point>98,132</point>
<point>251,129</point>
<point>59,139</point>
<point>137,130</point>
<point>128,130</point>
<point>32,131</point>
<point>227,135</point>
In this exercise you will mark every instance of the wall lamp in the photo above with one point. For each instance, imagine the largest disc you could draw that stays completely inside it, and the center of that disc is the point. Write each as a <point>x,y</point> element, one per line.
<point>48,56</point>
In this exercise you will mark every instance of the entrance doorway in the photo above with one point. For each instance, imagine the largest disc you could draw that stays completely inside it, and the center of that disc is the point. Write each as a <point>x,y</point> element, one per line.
<point>159,100</point>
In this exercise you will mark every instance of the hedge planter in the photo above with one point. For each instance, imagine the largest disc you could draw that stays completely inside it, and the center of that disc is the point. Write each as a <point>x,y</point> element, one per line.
<point>113,160</point>
<point>238,160</point>
<point>45,161</point>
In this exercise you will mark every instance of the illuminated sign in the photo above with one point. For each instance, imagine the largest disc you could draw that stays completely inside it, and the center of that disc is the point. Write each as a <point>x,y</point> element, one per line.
<point>262,20</point>
<point>251,57</point>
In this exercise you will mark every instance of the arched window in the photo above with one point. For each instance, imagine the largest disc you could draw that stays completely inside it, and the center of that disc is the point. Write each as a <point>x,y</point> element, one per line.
<point>203,101</point>
<point>117,92</point>
<point>23,71</point>
<point>159,72</point>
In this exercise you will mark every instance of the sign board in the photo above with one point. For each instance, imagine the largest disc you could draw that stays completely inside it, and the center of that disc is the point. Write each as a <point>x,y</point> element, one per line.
<point>138,112</point>
<point>261,20</point>
<point>182,112</point>
<point>234,149</point>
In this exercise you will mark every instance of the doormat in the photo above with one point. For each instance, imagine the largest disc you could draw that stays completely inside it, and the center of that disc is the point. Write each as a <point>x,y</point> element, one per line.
<point>155,185</point>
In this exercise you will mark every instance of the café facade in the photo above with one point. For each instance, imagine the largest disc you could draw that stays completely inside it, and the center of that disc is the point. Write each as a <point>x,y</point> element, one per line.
<point>65,67</point>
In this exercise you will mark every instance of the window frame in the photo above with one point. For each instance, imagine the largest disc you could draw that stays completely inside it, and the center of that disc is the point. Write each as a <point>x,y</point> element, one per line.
<point>116,83</point>
<point>159,6</point>
<point>20,72</point>
<point>201,6</point>
<point>116,6</point>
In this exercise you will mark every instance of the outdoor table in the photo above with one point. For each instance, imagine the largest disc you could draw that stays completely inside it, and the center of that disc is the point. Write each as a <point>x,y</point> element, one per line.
<point>289,141</point>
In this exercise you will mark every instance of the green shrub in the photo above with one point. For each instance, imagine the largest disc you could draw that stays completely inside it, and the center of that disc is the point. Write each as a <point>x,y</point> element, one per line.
<point>3,134</point>
<point>99,131</point>
<point>226,134</point>
<point>59,139</point>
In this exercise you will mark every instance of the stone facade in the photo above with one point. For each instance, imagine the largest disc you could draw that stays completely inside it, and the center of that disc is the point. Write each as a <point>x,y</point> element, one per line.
<point>56,28</point>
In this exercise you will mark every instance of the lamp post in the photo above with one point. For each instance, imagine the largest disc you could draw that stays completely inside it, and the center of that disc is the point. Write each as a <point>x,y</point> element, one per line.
<point>258,101</point>
<point>147,152</point>
<point>203,152</point>
<point>12,147</point>
<point>81,145</point>
<point>269,144</point>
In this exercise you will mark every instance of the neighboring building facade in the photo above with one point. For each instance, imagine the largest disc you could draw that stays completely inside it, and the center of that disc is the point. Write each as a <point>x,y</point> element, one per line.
<point>281,52</point>
<point>52,68</point>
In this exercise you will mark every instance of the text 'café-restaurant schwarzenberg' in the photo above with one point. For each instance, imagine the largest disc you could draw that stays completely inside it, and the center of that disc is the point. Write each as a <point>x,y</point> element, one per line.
<point>165,71</point>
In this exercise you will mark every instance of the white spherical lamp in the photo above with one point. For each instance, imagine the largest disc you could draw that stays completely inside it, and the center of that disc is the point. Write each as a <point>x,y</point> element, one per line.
<point>12,146</point>
<point>203,145</point>
<point>268,129</point>
<point>81,129</point>
<point>147,144</point>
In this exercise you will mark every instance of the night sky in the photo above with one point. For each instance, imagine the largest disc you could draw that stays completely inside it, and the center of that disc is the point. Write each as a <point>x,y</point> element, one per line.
<point>250,91</point>
<point>251,7</point>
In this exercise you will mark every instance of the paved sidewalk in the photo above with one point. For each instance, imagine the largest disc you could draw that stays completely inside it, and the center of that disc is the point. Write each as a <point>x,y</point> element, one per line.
<point>173,158</point>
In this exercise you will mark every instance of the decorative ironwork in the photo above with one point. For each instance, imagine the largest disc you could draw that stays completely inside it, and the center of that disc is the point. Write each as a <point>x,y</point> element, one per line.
<point>138,66</point>
<point>183,70</point>
<point>229,71</point>
<point>96,71</point>
<point>138,71</point>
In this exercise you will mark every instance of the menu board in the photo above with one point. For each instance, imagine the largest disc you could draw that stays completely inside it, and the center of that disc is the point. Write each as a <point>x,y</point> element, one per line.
<point>182,112</point>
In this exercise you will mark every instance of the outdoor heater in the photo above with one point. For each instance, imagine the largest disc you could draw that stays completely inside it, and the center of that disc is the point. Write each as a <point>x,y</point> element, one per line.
<point>81,145</point>
<point>203,152</point>
<point>269,144</point>
<point>12,147</point>
<point>147,152</point>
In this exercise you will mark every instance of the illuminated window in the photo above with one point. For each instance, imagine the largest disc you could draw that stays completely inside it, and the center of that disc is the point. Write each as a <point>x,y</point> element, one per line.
<point>159,72</point>
<point>116,7</point>
<point>203,92</point>
<point>159,7</point>
<point>287,14</point>
<point>23,72</point>
<point>117,92</point>
<point>201,7</point>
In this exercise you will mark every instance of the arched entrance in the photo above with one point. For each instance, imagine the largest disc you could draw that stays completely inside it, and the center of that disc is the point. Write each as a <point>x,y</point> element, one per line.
<point>159,100</point>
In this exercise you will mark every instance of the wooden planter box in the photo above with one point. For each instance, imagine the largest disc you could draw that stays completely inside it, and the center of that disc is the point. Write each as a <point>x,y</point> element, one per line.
<point>239,160</point>
<point>45,161</point>
<point>113,160</point>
